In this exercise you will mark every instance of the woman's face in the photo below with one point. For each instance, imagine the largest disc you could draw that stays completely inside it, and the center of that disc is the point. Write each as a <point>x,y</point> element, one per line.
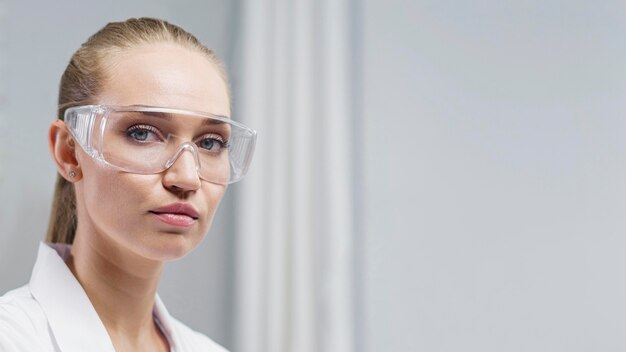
<point>123,207</point>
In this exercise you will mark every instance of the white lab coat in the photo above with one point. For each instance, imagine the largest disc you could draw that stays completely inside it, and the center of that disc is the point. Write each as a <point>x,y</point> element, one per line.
<point>53,313</point>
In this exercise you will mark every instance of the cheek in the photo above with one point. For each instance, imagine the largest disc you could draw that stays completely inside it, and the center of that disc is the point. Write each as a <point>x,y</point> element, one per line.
<point>212,194</point>
<point>113,199</point>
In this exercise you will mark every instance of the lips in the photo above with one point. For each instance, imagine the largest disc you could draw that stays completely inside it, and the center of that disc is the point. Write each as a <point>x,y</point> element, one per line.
<point>177,214</point>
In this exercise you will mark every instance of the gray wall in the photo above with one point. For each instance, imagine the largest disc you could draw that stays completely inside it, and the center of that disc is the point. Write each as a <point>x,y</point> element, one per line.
<point>494,167</point>
<point>37,40</point>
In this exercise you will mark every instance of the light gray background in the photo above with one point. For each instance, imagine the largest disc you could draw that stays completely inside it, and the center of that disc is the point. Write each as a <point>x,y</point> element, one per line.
<point>494,157</point>
<point>491,179</point>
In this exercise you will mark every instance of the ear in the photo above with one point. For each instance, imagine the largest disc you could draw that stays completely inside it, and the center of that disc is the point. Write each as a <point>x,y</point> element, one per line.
<point>63,150</point>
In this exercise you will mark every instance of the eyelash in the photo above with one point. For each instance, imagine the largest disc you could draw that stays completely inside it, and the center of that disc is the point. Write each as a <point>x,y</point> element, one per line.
<point>214,136</point>
<point>149,128</point>
<point>217,137</point>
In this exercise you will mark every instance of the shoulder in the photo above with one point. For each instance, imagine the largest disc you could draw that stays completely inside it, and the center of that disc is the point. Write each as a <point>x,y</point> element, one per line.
<point>22,322</point>
<point>194,340</point>
<point>18,308</point>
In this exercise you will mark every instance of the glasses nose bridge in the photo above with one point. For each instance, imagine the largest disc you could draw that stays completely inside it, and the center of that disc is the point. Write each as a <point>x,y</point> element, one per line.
<point>181,149</point>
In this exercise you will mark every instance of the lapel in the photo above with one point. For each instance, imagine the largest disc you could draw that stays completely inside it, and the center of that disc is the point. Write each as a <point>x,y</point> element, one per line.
<point>73,321</point>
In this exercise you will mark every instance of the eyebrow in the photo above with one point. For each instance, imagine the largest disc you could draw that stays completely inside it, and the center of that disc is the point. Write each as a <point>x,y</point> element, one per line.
<point>169,116</point>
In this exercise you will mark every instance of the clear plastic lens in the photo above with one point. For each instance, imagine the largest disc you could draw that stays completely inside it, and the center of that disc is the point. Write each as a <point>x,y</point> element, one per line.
<point>149,140</point>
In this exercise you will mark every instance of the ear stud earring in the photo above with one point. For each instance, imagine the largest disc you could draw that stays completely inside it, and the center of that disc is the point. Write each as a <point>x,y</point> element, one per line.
<point>72,174</point>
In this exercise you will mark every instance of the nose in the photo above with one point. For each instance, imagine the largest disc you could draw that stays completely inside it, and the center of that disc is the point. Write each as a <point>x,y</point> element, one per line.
<point>182,170</point>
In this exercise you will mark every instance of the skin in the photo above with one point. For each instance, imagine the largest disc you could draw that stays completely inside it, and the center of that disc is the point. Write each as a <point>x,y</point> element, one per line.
<point>120,247</point>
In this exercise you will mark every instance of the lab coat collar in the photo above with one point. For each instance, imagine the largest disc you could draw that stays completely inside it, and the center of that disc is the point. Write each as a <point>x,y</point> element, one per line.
<point>73,320</point>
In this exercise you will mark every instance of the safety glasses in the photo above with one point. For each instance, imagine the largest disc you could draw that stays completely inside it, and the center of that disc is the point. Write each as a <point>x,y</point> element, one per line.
<point>148,140</point>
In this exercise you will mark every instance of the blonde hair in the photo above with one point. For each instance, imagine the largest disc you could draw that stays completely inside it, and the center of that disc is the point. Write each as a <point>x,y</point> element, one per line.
<point>83,79</point>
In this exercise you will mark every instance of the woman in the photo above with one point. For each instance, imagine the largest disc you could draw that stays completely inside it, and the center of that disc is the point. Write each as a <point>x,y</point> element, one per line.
<point>144,151</point>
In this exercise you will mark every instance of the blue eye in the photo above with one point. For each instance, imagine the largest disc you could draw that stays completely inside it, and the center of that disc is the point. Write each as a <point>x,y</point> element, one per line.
<point>212,144</point>
<point>143,133</point>
<point>140,135</point>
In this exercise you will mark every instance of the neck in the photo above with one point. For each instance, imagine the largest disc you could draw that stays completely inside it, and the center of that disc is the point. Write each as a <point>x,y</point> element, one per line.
<point>120,284</point>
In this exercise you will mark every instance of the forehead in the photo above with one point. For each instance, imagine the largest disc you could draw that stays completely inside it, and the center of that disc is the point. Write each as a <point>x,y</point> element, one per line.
<point>166,75</point>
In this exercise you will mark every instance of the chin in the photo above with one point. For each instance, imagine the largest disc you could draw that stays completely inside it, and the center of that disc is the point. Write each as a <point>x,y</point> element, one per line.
<point>170,247</point>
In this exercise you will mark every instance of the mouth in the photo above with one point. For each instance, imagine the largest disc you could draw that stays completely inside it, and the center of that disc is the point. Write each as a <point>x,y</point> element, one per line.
<point>177,214</point>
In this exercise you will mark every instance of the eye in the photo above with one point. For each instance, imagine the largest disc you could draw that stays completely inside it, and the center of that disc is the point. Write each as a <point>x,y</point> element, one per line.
<point>143,133</point>
<point>212,143</point>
